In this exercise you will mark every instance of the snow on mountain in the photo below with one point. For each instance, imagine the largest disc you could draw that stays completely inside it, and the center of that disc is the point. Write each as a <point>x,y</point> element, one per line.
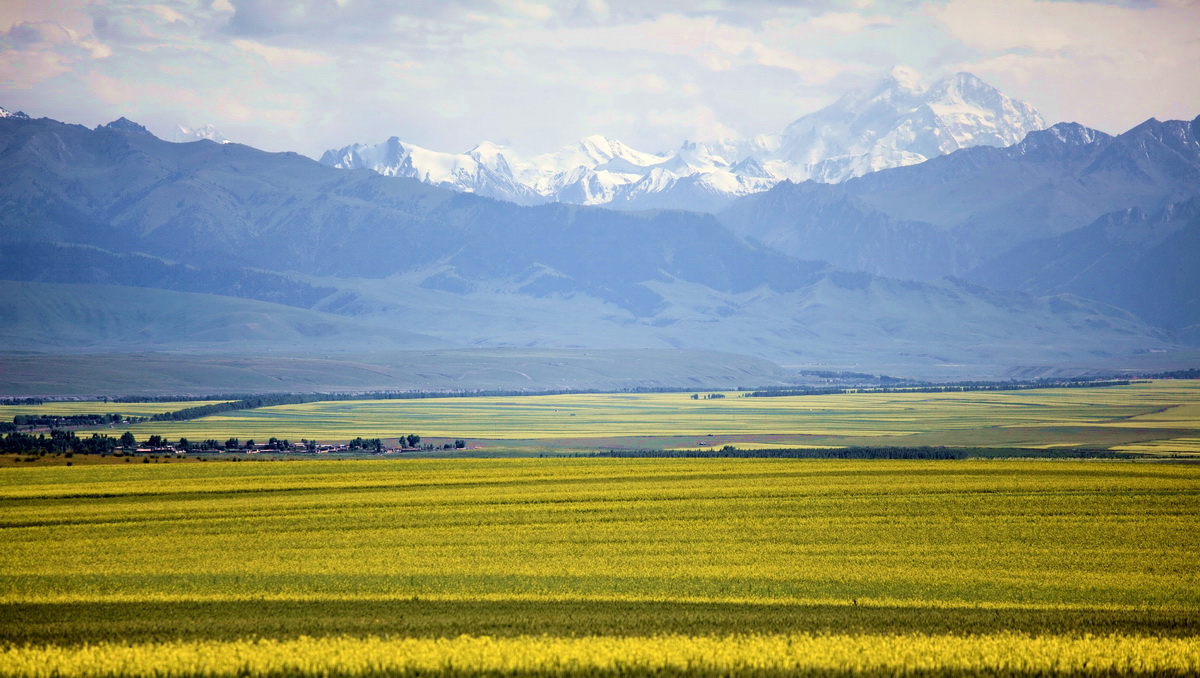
<point>898,123</point>
<point>596,152</point>
<point>894,123</point>
<point>184,134</point>
<point>612,165</point>
<point>483,169</point>
<point>5,113</point>
<point>585,186</point>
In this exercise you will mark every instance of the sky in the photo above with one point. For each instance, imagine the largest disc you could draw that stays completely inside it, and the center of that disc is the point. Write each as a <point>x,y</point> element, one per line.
<point>310,75</point>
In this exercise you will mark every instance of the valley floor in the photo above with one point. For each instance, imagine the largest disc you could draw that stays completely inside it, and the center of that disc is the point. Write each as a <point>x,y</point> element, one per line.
<point>1158,418</point>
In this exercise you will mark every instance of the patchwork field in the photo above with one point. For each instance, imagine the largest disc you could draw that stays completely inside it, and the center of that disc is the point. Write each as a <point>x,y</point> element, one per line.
<point>601,567</point>
<point>1163,416</point>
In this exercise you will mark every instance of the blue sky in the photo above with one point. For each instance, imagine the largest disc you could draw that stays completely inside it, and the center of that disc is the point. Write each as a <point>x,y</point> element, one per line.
<point>308,75</point>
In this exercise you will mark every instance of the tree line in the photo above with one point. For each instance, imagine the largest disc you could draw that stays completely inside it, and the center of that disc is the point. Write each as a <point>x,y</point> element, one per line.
<point>68,442</point>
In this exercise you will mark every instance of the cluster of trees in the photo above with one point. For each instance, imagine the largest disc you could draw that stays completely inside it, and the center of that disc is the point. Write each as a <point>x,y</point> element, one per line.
<point>1192,373</point>
<point>251,403</point>
<point>707,396</point>
<point>370,444</point>
<point>54,421</point>
<point>61,420</point>
<point>58,442</point>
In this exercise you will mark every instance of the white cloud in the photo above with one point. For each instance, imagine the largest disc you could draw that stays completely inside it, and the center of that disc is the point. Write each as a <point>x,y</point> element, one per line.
<point>695,123</point>
<point>1103,65</point>
<point>283,57</point>
<point>166,13</point>
<point>848,22</point>
<point>307,75</point>
<point>37,51</point>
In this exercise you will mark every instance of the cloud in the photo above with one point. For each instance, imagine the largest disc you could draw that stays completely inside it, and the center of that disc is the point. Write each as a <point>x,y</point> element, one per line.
<point>848,22</point>
<point>283,57</point>
<point>308,75</point>
<point>37,51</point>
<point>695,123</point>
<point>274,17</point>
<point>1106,65</point>
<point>339,21</point>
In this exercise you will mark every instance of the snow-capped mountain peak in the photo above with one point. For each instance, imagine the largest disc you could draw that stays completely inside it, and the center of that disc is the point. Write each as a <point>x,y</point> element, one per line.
<point>483,170</point>
<point>895,121</point>
<point>594,151</point>
<point>184,134</point>
<point>493,156</point>
<point>904,78</point>
<point>4,113</point>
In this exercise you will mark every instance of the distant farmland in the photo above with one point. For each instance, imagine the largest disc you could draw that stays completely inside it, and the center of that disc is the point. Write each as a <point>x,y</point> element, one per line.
<point>1162,416</point>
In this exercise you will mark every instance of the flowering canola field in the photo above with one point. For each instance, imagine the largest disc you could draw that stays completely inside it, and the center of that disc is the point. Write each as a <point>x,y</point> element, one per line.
<point>600,567</point>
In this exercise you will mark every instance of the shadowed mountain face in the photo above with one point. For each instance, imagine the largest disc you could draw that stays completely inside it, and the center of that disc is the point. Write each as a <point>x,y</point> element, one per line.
<point>221,205</point>
<point>953,213</point>
<point>395,254</point>
<point>1136,259</point>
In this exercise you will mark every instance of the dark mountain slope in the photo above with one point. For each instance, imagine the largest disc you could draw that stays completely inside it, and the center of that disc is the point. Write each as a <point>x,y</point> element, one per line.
<point>953,213</point>
<point>82,264</point>
<point>212,204</point>
<point>1132,258</point>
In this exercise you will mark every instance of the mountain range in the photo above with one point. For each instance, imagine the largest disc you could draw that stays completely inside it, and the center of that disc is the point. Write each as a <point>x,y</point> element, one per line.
<point>995,216</point>
<point>135,243</point>
<point>894,123</point>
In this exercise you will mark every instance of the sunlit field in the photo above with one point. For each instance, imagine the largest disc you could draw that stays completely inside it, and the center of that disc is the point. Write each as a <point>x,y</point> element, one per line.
<point>1139,414</point>
<point>600,567</point>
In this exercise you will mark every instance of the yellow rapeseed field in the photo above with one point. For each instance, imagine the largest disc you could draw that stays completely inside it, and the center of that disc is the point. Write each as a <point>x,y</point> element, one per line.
<point>600,567</point>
